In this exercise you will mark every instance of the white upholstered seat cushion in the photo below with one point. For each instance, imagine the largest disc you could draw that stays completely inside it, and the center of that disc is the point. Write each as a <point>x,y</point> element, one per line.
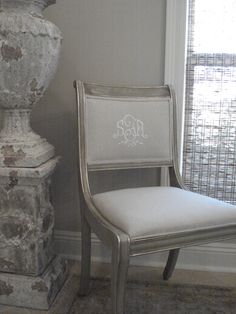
<point>153,211</point>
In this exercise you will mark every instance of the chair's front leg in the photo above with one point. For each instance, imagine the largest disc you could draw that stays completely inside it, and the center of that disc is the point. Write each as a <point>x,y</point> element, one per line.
<point>171,262</point>
<point>85,256</point>
<point>120,264</point>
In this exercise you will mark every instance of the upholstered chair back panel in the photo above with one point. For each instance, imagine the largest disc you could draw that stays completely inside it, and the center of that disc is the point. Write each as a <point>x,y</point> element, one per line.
<point>122,130</point>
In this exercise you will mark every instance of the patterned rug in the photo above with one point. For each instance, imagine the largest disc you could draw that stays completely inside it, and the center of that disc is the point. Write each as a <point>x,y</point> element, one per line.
<point>160,298</point>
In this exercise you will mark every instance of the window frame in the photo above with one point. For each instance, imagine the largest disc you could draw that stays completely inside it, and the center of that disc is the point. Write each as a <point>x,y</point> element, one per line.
<point>175,58</point>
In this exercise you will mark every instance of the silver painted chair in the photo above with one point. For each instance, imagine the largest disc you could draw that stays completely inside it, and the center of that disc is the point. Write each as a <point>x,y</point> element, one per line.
<point>122,128</point>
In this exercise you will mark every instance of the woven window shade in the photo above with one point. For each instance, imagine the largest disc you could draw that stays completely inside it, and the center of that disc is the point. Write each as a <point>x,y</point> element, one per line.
<point>209,157</point>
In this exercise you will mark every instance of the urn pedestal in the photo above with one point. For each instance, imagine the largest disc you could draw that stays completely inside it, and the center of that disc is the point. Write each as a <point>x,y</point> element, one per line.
<point>31,274</point>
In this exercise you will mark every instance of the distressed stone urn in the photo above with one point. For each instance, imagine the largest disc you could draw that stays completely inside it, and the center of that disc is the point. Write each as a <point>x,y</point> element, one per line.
<point>29,51</point>
<point>30,272</point>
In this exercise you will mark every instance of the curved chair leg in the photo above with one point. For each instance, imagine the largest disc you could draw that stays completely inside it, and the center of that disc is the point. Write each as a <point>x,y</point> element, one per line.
<point>120,264</point>
<point>85,256</point>
<point>171,262</point>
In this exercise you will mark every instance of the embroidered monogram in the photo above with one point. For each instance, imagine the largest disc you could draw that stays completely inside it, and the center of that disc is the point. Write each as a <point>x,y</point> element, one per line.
<point>130,131</point>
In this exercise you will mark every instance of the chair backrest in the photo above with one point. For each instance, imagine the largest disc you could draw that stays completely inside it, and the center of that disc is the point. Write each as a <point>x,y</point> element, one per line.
<point>126,127</point>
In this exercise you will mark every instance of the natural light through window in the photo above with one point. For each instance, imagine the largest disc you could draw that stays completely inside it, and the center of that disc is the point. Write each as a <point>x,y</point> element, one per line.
<point>215,25</point>
<point>210,113</point>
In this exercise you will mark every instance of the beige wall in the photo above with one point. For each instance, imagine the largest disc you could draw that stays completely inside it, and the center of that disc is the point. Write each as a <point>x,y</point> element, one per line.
<point>108,41</point>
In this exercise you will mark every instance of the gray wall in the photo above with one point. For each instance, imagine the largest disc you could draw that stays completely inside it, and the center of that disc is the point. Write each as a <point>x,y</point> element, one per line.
<point>107,41</point>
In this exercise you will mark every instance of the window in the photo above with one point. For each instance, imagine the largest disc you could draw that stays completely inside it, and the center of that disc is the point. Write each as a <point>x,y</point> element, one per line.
<point>209,150</point>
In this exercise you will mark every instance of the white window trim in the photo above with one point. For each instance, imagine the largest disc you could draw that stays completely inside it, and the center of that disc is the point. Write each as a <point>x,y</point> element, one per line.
<point>175,52</point>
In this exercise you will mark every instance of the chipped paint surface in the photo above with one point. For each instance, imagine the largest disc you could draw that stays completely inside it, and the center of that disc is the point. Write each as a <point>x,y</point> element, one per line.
<point>5,288</point>
<point>5,264</point>
<point>35,90</point>
<point>10,53</point>
<point>10,156</point>
<point>13,180</point>
<point>40,286</point>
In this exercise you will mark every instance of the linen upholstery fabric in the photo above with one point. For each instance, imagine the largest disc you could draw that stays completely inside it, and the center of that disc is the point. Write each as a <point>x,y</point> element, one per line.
<point>154,211</point>
<point>123,130</point>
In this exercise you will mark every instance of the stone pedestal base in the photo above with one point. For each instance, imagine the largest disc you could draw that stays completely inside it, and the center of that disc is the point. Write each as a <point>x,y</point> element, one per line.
<point>30,274</point>
<point>37,292</point>
<point>26,219</point>
<point>61,305</point>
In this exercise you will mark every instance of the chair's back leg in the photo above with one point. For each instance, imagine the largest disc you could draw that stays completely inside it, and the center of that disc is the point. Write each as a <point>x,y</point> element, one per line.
<point>120,264</point>
<point>171,262</point>
<point>85,256</point>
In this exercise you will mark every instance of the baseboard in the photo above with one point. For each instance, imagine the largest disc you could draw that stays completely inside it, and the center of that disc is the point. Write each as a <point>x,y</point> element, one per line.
<point>215,257</point>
